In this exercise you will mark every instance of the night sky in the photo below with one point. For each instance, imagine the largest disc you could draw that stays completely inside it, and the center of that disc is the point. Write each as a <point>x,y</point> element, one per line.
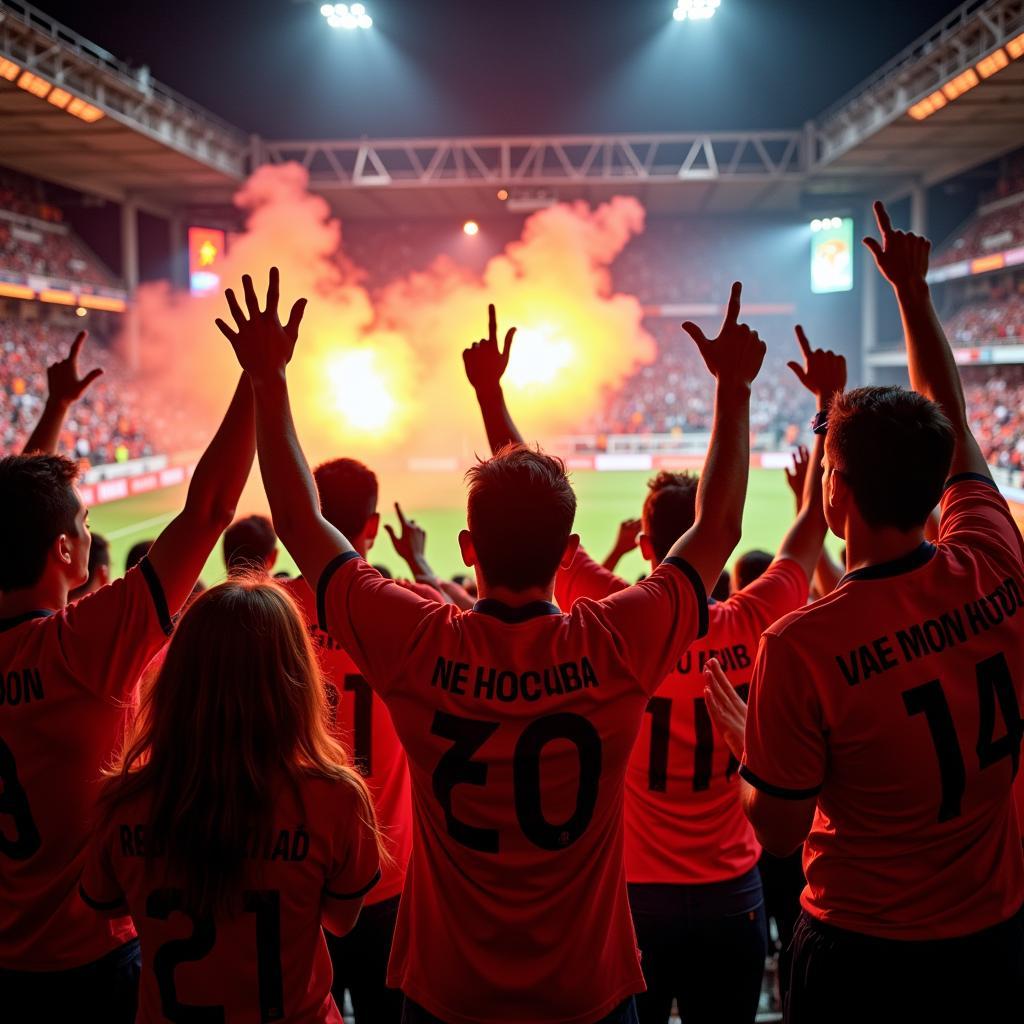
<point>489,67</point>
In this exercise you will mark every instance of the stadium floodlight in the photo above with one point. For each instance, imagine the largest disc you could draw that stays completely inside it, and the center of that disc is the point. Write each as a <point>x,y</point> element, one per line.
<point>347,16</point>
<point>696,10</point>
<point>471,228</point>
<point>815,224</point>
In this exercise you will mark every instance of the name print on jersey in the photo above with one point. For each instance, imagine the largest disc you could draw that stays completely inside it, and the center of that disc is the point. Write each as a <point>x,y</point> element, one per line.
<point>21,687</point>
<point>932,636</point>
<point>506,685</point>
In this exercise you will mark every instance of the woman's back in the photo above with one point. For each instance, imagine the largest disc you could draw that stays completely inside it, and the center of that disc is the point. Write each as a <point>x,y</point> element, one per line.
<point>232,826</point>
<point>267,960</point>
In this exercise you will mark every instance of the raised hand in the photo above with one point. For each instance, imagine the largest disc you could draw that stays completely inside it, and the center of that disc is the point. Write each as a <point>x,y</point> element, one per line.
<point>736,355</point>
<point>625,541</point>
<point>823,372</point>
<point>902,257</point>
<point>412,542</point>
<point>726,707</point>
<point>62,380</point>
<point>263,347</point>
<point>797,475</point>
<point>485,363</point>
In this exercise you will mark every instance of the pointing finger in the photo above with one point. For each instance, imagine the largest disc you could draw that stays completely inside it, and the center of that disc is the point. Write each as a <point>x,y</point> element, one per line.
<point>401,518</point>
<point>273,290</point>
<point>805,345</point>
<point>492,324</point>
<point>76,345</point>
<point>882,216</point>
<point>732,313</point>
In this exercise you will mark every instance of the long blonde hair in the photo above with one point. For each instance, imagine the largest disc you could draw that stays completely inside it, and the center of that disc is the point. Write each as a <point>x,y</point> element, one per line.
<point>237,708</point>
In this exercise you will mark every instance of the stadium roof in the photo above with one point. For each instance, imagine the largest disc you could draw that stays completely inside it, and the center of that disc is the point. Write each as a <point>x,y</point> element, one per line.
<point>164,150</point>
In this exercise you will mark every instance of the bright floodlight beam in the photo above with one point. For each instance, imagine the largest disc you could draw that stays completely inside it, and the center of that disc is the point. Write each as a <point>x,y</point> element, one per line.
<point>471,228</point>
<point>347,16</point>
<point>696,10</point>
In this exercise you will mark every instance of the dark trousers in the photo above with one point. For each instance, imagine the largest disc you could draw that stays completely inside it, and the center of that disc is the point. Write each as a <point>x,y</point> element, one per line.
<point>844,977</point>
<point>704,946</point>
<point>413,1013</point>
<point>106,990</point>
<point>360,961</point>
<point>783,880</point>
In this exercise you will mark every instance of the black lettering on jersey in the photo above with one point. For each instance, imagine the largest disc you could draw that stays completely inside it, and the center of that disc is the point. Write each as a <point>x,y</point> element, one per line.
<point>452,675</point>
<point>508,686</point>
<point>867,660</point>
<point>21,687</point>
<point>529,686</point>
<point>282,847</point>
<point>685,663</point>
<point>552,684</point>
<point>1003,603</point>
<point>484,683</point>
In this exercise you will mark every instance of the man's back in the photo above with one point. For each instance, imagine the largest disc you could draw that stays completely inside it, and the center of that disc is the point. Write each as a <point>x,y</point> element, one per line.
<point>67,676</point>
<point>900,697</point>
<point>518,723</point>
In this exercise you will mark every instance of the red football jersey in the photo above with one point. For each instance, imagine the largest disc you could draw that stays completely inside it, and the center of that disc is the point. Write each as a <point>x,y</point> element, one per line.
<point>65,682</point>
<point>518,724</point>
<point>684,822</point>
<point>267,962</point>
<point>896,701</point>
<point>363,724</point>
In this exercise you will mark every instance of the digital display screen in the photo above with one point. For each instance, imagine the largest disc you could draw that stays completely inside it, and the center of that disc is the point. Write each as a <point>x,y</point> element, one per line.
<point>205,256</point>
<point>832,255</point>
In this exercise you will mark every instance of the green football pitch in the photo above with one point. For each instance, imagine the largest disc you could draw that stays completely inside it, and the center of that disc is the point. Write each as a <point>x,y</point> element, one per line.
<point>605,499</point>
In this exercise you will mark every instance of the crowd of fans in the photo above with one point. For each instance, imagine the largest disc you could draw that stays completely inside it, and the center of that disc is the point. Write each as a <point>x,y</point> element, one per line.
<point>667,397</point>
<point>996,321</point>
<point>995,403</point>
<point>33,248</point>
<point>990,232</point>
<point>108,424</point>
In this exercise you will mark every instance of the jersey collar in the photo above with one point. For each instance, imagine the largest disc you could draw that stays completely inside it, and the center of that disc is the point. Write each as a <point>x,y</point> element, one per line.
<point>17,620</point>
<point>520,613</point>
<point>921,555</point>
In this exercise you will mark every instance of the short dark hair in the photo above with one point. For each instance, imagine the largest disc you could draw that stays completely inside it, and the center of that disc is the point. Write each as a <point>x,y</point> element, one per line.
<point>39,504</point>
<point>670,509</point>
<point>751,566</point>
<point>136,553</point>
<point>248,543</point>
<point>720,592</point>
<point>520,511</point>
<point>348,494</point>
<point>893,447</point>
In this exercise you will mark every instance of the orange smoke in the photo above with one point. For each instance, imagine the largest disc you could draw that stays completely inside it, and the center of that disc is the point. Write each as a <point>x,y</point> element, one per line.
<point>381,375</point>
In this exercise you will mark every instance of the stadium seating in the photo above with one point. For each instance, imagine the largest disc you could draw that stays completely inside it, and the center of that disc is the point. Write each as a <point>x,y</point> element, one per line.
<point>110,423</point>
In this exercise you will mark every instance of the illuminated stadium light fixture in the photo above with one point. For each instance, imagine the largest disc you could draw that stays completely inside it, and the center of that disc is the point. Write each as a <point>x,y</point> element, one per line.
<point>696,10</point>
<point>1015,47</point>
<point>8,69</point>
<point>815,224</point>
<point>347,16</point>
<point>59,98</point>
<point>964,82</point>
<point>34,84</point>
<point>471,228</point>
<point>81,311</point>
<point>995,61</point>
<point>503,195</point>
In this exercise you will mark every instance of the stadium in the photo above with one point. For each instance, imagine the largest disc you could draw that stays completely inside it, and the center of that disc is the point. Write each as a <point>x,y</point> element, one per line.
<point>403,175</point>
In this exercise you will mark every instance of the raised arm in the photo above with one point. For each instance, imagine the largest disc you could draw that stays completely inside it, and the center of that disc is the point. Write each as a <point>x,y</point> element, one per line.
<point>827,573</point>
<point>264,347</point>
<point>823,373</point>
<point>63,388</point>
<point>625,541</point>
<point>902,259</point>
<point>411,546</point>
<point>485,364</point>
<point>734,358</point>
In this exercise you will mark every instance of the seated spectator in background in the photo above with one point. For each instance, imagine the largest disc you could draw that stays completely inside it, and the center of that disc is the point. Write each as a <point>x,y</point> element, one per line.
<point>213,822</point>
<point>749,567</point>
<point>136,553</point>
<point>99,568</point>
<point>250,545</point>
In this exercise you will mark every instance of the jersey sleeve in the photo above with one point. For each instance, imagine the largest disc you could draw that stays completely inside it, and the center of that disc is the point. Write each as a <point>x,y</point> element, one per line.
<point>354,867</point>
<point>98,887</point>
<point>781,589</point>
<point>108,638</point>
<point>375,620</point>
<point>654,621</point>
<point>585,578</point>
<point>784,745</point>
<point>974,513</point>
